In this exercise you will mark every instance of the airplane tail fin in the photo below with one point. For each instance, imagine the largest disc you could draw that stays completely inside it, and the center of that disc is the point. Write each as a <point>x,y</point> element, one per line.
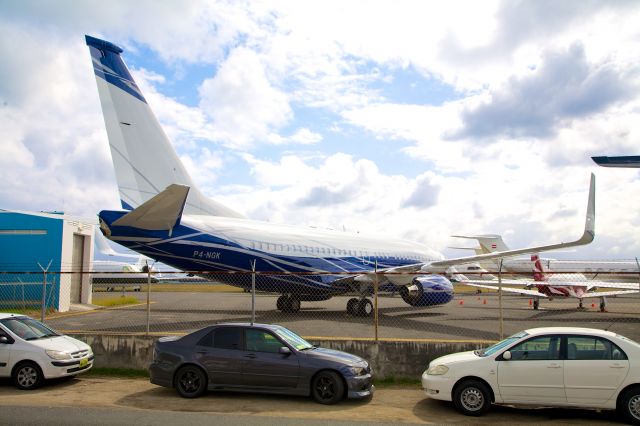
<point>143,158</point>
<point>487,243</point>
<point>538,269</point>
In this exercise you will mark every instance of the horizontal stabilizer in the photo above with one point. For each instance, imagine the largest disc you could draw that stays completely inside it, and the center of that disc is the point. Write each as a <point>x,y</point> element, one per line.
<point>162,212</point>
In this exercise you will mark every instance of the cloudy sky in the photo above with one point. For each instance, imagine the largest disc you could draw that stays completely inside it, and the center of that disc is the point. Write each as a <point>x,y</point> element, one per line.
<point>410,119</point>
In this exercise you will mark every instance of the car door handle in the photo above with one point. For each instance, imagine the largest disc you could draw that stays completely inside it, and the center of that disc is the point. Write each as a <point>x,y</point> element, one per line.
<point>554,366</point>
<point>252,356</point>
<point>202,352</point>
<point>616,366</point>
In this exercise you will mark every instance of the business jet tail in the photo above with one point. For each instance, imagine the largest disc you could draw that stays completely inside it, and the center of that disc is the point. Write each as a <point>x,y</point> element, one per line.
<point>143,158</point>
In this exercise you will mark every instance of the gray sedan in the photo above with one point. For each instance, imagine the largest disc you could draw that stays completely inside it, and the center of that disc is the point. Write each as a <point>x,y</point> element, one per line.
<point>257,358</point>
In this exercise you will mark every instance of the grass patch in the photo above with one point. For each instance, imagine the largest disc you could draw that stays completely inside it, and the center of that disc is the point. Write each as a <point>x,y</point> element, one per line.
<point>117,301</point>
<point>128,373</point>
<point>397,381</point>
<point>31,312</point>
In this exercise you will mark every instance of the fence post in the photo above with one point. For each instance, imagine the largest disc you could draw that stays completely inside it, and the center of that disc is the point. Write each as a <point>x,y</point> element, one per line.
<point>44,289</point>
<point>253,291</point>
<point>500,300</point>
<point>148,296</point>
<point>375,301</point>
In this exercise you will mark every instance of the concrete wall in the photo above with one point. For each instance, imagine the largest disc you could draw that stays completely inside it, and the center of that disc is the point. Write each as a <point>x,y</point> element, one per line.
<point>388,358</point>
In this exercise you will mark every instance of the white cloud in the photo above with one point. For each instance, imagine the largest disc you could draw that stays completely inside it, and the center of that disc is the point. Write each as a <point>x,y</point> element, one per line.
<point>284,74</point>
<point>242,103</point>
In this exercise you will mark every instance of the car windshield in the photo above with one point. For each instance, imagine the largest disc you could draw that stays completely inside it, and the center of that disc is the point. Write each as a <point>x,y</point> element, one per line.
<point>27,328</point>
<point>293,339</point>
<point>501,344</point>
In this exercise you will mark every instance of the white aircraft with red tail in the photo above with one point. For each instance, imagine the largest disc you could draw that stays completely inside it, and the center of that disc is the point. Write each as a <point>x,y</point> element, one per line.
<point>549,286</point>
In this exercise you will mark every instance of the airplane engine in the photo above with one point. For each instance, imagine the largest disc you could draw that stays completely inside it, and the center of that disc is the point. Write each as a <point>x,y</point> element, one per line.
<point>427,290</point>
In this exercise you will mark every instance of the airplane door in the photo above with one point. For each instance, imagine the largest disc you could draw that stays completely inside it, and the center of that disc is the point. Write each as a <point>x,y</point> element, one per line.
<point>595,367</point>
<point>264,366</point>
<point>534,373</point>
<point>220,352</point>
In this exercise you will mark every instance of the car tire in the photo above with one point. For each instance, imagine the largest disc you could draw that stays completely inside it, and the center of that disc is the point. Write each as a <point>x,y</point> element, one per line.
<point>472,398</point>
<point>190,381</point>
<point>327,387</point>
<point>629,406</point>
<point>27,375</point>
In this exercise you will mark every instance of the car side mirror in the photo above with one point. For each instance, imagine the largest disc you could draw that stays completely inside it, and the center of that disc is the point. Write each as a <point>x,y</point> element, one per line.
<point>285,350</point>
<point>506,355</point>
<point>4,339</point>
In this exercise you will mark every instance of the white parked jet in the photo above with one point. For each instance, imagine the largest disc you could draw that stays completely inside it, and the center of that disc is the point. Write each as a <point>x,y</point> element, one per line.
<point>168,219</point>
<point>604,270</point>
<point>551,287</point>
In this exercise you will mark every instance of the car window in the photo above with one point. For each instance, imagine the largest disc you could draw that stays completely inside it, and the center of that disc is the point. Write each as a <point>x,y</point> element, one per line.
<point>227,338</point>
<point>592,348</point>
<point>262,341</point>
<point>537,348</point>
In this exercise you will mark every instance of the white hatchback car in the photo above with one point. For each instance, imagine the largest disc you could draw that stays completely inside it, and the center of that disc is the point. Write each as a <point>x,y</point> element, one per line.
<point>30,352</point>
<point>550,366</point>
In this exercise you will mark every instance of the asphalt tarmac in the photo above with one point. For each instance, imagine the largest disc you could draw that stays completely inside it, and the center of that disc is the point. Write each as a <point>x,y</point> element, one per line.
<point>469,317</point>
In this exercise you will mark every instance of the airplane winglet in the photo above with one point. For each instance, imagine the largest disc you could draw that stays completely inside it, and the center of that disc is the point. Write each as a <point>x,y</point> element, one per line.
<point>162,212</point>
<point>628,161</point>
<point>587,237</point>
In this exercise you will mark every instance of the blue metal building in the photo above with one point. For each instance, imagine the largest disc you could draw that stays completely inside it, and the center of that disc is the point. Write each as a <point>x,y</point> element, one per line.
<point>31,242</point>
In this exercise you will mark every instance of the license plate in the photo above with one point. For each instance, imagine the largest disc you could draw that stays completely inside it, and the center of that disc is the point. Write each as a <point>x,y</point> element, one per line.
<point>84,362</point>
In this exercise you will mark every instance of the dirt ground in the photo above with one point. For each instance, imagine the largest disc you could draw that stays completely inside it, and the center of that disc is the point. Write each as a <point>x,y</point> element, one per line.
<point>389,404</point>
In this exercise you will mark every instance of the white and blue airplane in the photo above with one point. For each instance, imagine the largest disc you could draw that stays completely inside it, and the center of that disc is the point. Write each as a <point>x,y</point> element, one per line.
<point>167,218</point>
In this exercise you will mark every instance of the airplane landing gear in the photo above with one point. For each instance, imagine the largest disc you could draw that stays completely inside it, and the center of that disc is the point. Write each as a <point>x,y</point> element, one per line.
<point>580,304</point>
<point>288,303</point>
<point>603,304</point>
<point>359,307</point>
<point>536,304</point>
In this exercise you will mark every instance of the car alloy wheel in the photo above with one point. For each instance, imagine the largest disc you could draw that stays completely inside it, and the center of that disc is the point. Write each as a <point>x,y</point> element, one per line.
<point>327,387</point>
<point>27,376</point>
<point>191,382</point>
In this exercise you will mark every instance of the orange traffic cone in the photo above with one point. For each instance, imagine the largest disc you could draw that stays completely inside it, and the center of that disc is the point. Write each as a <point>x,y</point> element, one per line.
<point>484,302</point>
<point>461,302</point>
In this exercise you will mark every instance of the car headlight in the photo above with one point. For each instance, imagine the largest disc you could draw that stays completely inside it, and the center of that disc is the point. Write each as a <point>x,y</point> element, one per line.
<point>59,355</point>
<point>357,371</point>
<point>437,370</point>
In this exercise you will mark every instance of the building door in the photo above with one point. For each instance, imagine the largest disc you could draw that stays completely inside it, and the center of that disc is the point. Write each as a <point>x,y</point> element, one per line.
<point>77,267</point>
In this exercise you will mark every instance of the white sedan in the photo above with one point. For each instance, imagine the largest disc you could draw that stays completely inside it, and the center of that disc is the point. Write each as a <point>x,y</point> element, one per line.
<point>550,366</point>
<point>31,352</point>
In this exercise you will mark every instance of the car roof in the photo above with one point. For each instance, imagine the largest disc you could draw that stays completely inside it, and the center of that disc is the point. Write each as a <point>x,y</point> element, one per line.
<point>5,315</point>
<point>569,330</point>
<point>247,324</point>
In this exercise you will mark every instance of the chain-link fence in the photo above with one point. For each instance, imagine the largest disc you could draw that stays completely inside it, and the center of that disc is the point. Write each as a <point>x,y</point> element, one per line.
<point>369,306</point>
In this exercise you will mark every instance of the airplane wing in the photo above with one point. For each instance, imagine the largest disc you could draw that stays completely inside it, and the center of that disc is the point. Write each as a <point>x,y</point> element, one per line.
<point>609,293</point>
<point>607,284</point>
<point>520,291</point>
<point>586,238</point>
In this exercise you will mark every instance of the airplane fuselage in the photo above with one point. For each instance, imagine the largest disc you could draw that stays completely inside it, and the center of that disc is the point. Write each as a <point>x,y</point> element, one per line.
<point>320,257</point>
